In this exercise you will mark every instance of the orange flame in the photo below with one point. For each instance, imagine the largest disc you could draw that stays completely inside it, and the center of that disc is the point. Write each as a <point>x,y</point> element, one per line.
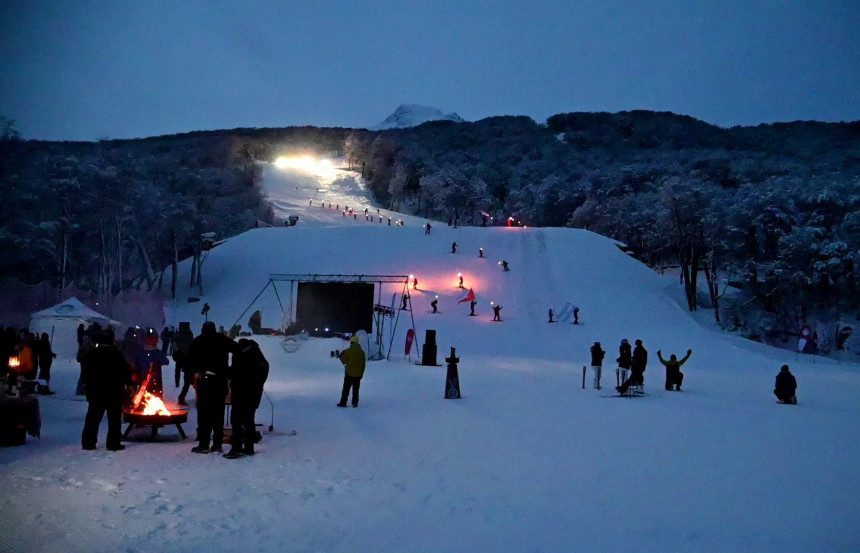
<point>152,405</point>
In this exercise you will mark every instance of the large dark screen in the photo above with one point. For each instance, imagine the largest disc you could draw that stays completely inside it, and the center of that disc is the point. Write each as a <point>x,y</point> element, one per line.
<point>338,306</point>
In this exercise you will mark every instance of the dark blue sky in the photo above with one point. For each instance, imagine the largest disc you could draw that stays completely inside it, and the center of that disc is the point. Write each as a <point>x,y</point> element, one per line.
<point>119,69</point>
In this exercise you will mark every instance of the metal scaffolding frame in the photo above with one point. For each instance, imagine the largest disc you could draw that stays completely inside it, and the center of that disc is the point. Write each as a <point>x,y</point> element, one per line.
<point>292,278</point>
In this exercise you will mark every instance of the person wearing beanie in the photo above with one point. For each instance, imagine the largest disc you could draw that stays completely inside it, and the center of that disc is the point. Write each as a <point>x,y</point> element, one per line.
<point>597,355</point>
<point>105,374</point>
<point>209,357</point>
<point>786,386</point>
<point>150,361</point>
<point>354,361</point>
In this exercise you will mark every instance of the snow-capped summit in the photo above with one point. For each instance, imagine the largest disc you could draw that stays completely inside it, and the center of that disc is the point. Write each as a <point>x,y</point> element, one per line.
<point>410,115</point>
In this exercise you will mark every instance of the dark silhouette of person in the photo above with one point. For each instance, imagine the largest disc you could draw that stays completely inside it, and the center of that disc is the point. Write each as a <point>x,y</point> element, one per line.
<point>496,313</point>
<point>461,281</point>
<point>637,368</point>
<point>205,311</point>
<point>405,301</point>
<point>181,349</point>
<point>505,266</point>
<point>786,386</point>
<point>480,252</point>
<point>454,247</point>
<point>625,356</point>
<point>255,322</point>
<point>105,374</point>
<point>576,315</point>
<point>210,357</point>
<point>674,376</point>
<point>472,305</point>
<point>45,357</point>
<point>550,316</point>
<point>433,304</point>
<point>248,373</point>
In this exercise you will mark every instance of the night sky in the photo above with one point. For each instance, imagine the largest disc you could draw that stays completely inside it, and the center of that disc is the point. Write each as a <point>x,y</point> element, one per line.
<point>87,70</point>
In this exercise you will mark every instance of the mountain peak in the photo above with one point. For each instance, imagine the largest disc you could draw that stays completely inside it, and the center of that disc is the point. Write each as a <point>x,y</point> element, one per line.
<point>410,115</point>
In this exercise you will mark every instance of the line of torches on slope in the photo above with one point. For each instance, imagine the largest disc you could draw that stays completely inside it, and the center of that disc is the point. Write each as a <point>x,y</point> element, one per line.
<point>146,403</point>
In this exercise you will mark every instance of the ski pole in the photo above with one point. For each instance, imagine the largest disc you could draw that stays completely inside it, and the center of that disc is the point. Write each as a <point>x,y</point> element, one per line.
<point>583,377</point>
<point>272,407</point>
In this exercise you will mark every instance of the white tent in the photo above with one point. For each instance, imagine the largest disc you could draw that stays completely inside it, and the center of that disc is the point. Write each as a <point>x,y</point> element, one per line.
<point>61,322</point>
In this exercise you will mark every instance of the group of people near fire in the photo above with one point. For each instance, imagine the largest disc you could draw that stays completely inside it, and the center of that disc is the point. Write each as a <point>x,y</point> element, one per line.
<point>112,372</point>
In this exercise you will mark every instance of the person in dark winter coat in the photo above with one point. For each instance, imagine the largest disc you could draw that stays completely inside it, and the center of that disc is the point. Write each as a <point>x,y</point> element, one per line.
<point>497,313</point>
<point>210,359</point>
<point>105,375</point>
<point>354,362</point>
<point>637,368</point>
<point>674,376</point>
<point>624,357</point>
<point>181,349</point>
<point>166,337</point>
<point>597,355</point>
<point>435,305</point>
<point>150,361</point>
<point>248,373</point>
<point>46,357</point>
<point>255,322</point>
<point>786,386</point>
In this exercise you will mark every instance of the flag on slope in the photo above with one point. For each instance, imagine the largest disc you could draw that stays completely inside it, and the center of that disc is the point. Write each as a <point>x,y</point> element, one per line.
<point>469,297</point>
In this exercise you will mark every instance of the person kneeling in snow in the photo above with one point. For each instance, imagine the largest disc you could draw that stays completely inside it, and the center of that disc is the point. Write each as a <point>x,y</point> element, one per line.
<point>354,361</point>
<point>674,376</point>
<point>786,385</point>
<point>248,373</point>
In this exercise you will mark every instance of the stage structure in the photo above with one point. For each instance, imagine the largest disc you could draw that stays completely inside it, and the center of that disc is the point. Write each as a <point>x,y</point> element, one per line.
<point>343,301</point>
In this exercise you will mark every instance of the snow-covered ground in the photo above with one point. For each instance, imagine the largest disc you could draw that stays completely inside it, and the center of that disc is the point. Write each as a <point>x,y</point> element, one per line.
<point>527,460</point>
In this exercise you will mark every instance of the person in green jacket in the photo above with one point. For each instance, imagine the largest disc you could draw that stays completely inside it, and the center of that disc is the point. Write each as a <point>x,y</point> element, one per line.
<point>674,376</point>
<point>353,360</point>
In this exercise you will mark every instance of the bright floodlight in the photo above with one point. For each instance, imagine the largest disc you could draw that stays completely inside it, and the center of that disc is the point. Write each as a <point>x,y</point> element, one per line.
<point>281,163</point>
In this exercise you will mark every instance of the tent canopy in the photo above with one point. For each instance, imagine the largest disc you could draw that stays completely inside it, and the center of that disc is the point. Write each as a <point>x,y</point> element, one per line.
<point>72,308</point>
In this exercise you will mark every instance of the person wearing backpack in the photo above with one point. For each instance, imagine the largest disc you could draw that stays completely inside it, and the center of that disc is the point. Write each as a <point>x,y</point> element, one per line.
<point>248,374</point>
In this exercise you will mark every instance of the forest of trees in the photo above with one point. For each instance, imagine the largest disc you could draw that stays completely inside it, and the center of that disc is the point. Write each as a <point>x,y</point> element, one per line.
<point>115,214</point>
<point>773,210</point>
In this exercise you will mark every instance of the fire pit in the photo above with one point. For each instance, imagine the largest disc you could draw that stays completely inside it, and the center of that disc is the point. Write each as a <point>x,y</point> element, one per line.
<point>149,410</point>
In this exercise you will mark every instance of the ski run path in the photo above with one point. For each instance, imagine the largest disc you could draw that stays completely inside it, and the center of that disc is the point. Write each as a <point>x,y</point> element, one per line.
<point>526,461</point>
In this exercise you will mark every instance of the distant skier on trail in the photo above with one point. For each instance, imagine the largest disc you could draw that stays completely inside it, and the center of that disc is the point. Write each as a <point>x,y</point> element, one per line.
<point>674,376</point>
<point>624,357</point>
<point>575,315</point>
<point>497,313</point>
<point>785,387</point>
<point>454,247</point>
<point>427,228</point>
<point>504,265</point>
<point>472,305</point>
<point>480,252</point>
<point>550,316</point>
<point>637,368</point>
<point>434,304</point>
<point>597,355</point>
